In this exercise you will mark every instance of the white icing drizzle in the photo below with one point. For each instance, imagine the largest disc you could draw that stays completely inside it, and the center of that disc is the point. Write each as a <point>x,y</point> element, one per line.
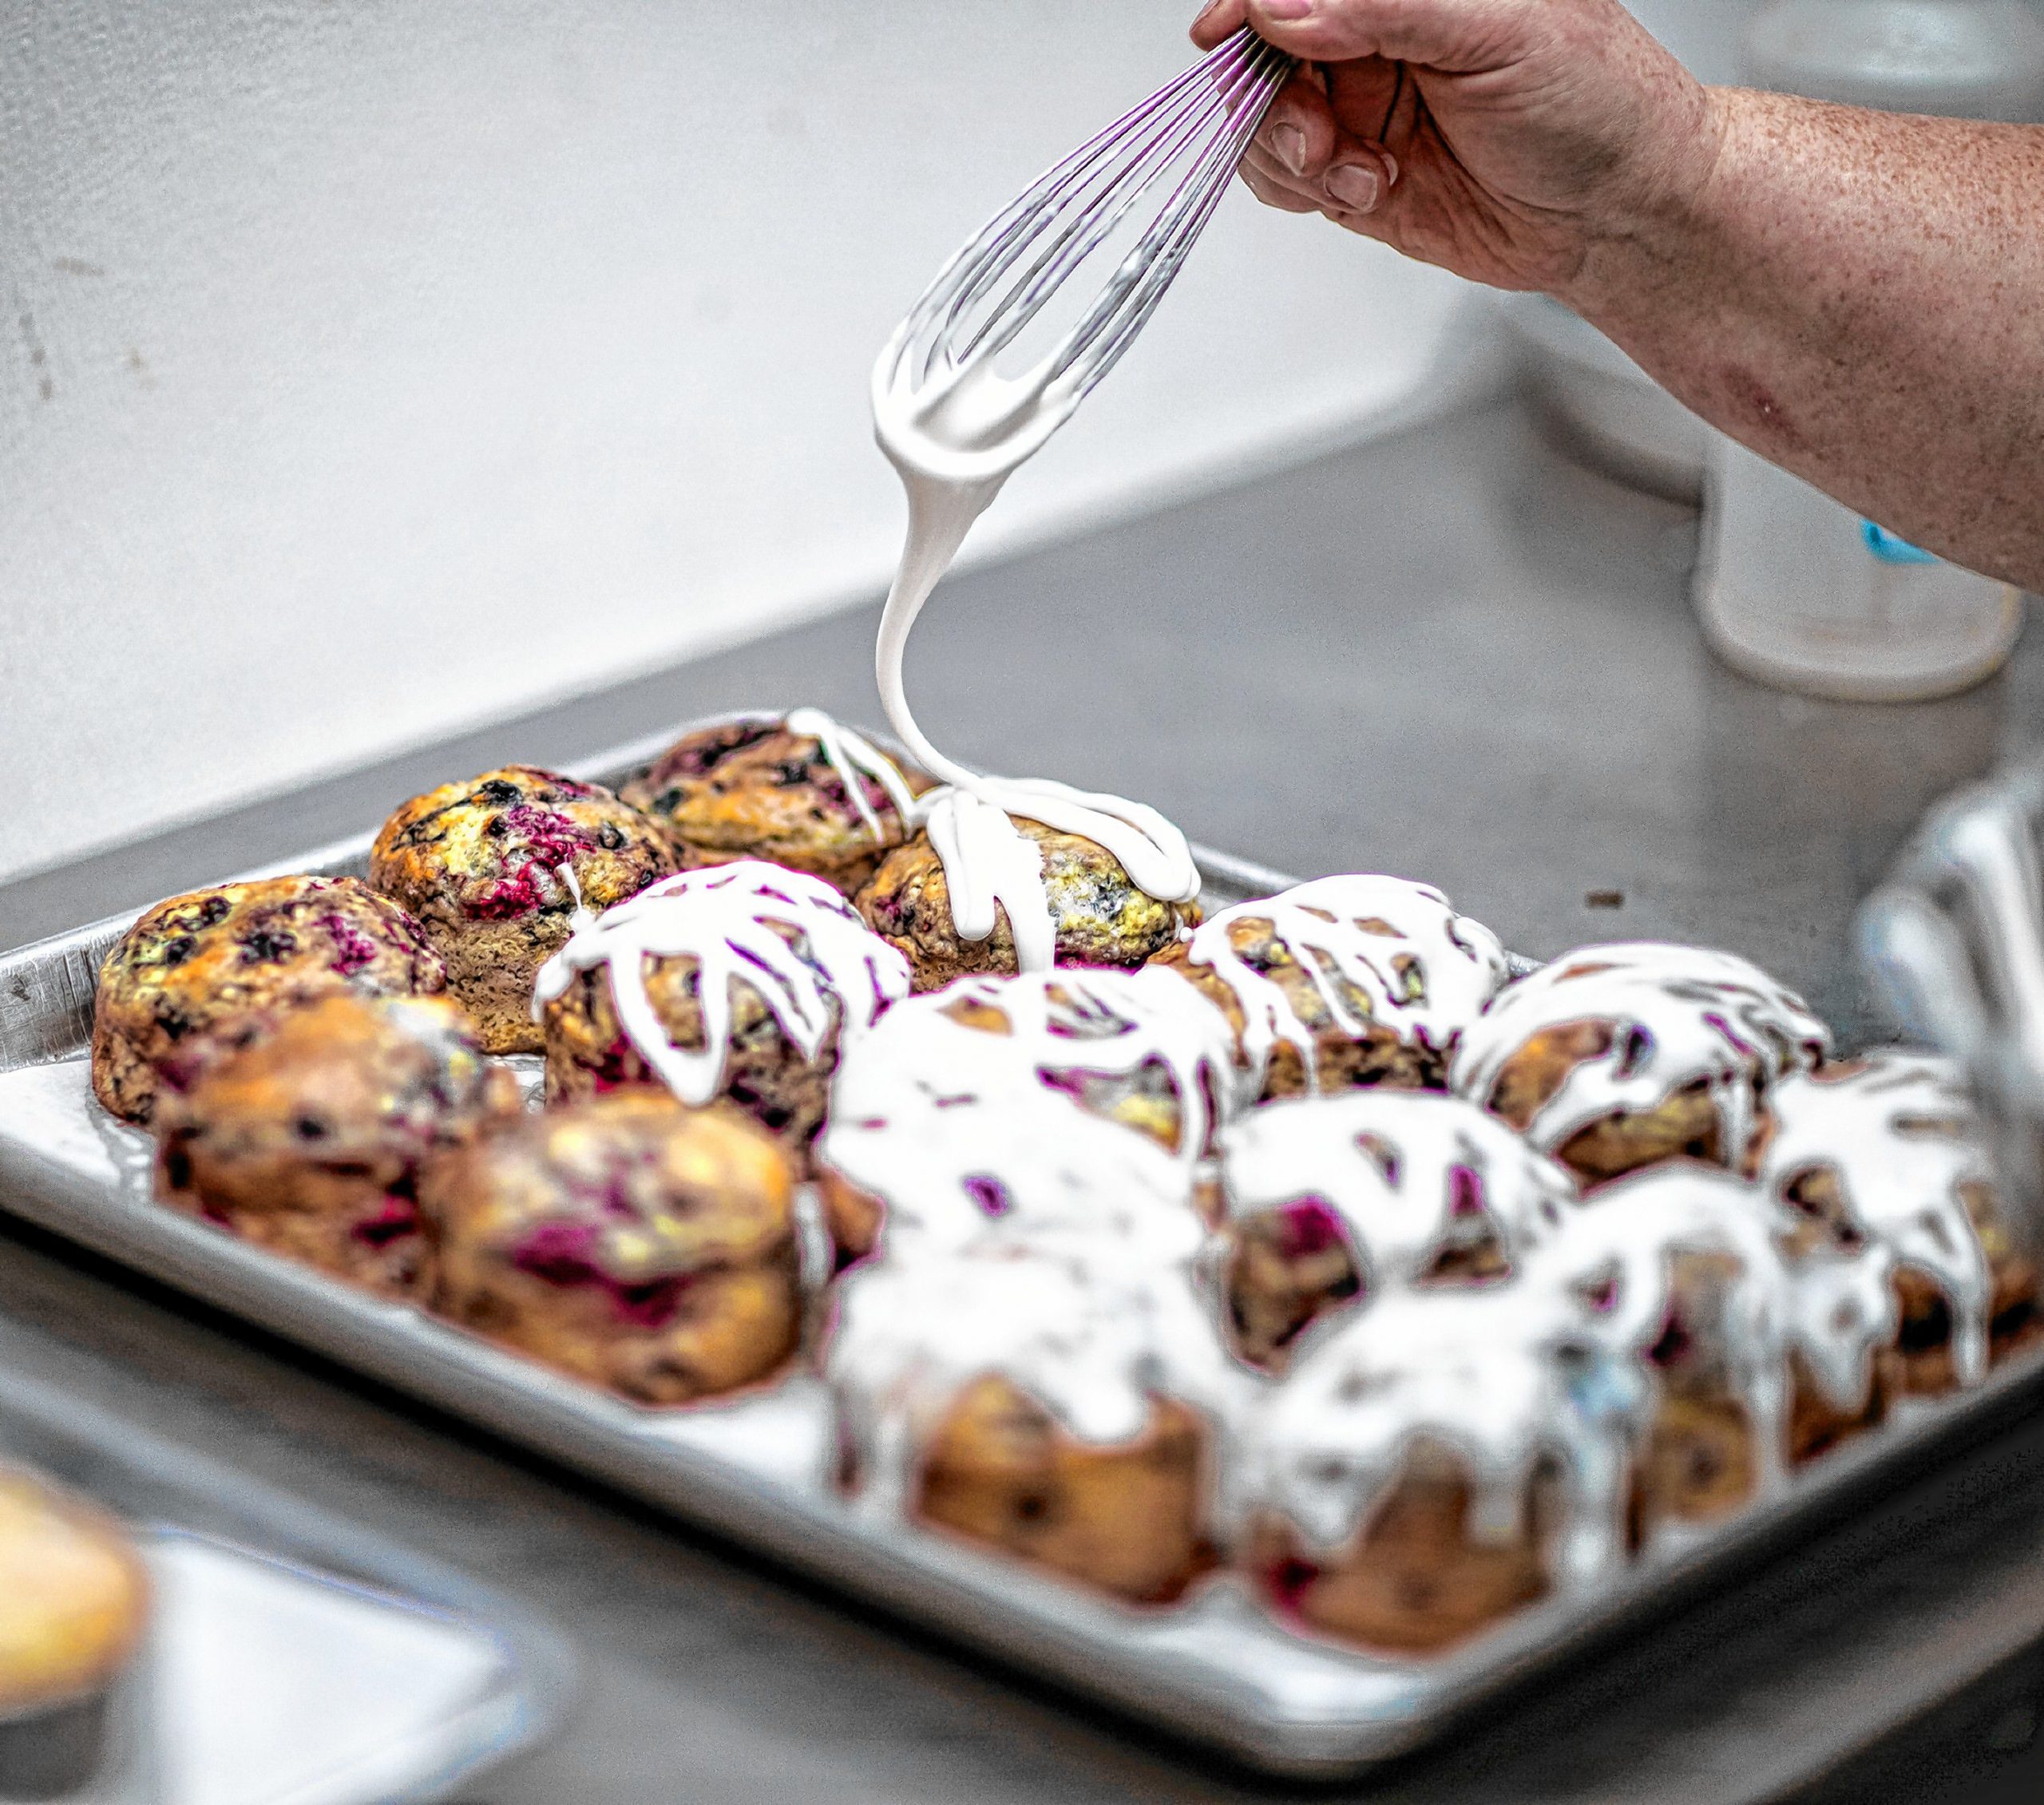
<point>1458,964</point>
<point>1899,1175</point>
<point>955,441</point>
<point>1503,1377</point>
<point>1092,1343</point>
<point>853,757</point>
<point>1408,1175</point>
<point>1614,1257</point>
<point>1680,1016</point>
<point>843,975</point>
<point>962,1131</point>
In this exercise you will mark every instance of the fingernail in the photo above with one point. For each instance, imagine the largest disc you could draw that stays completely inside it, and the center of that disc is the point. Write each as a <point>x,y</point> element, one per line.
<point>1355,185</point>
<point>1289,143</point>
<point>1205,12</point>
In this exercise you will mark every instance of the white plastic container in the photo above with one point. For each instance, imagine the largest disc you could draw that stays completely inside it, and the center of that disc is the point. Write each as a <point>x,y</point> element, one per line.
<point>1793,588</point>
<point>1800,593</point>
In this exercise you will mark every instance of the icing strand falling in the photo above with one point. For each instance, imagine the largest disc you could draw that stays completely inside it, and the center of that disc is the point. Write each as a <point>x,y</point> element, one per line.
<point>1616,1257</point>
<point>1426,971</point>
<point>1902,1137</point>
<point>725,918</point>
<point>954,452</point>
<point>959,1111</point>
<point>1094,1343</point>
<point>1503,1377</point>
<point>854,757</point>
<point>1409,1175</point>
<point>1679,1015</point>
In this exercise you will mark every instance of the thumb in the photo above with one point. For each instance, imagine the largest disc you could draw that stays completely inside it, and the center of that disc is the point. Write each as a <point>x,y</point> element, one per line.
<point>1443,33</point>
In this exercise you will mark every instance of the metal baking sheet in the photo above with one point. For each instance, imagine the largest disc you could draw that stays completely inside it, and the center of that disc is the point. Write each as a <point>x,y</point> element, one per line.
<point>291,1659</point>
<point>1216,1668</point>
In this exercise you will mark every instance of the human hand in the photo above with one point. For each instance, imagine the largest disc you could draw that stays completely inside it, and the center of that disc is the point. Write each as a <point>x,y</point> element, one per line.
<point>1516,142</point>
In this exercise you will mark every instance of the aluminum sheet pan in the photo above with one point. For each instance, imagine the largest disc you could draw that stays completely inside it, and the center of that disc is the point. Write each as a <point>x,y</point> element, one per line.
<point>1216,1669</point>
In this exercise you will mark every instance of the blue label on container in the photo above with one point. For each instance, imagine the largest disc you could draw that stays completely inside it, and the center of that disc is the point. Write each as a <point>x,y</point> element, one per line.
<point>1890,550</point>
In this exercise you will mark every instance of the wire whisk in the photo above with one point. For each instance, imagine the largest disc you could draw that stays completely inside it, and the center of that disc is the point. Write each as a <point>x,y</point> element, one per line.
<point>1173,154</point>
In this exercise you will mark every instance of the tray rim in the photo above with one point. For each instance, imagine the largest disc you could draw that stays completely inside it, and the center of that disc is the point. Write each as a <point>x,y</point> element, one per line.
<point>1045,1625</point>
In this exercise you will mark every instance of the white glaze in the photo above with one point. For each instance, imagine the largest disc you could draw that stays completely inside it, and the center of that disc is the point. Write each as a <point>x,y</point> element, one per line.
<point>1458,966</point>
<point>1093,1343</point>
<point>1401,1171</point>
<point>944,1121</point>
<point>1680,1016</point>
<point>1502,1376</point>
<point>955,441</point>
<point>853,756</point>
<point>842,975</point>
<point>1900,1183</point>
<point>1615,1257</point>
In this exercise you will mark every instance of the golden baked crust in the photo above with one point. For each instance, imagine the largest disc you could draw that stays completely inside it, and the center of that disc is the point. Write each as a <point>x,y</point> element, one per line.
<point>1000,1471</point>
<point>753,789</point>
<point>310,1139</point>
<point>196,966</point>
<point>74,1596</point>
<point>478,863</point>
<point>588,1053</point>
<point>1102,918</point>
<point>627,1240</point>
<point>1342,1060</point>
<point>1416,1579</point>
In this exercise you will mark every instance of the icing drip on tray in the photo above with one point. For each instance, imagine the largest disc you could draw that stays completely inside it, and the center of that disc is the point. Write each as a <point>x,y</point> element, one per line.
<point>1902,1138</point>
<point>1425,971</point>
<point>837,974</point>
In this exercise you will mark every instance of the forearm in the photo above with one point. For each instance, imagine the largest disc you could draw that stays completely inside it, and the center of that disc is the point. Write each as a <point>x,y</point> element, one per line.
<point>1859,297</point>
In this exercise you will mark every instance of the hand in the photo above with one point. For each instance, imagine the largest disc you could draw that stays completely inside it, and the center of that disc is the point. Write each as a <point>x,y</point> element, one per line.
<point>1511,141</point>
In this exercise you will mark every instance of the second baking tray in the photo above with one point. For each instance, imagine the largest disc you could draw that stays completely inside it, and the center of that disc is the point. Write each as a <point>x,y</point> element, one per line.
<point>1216,1668</point>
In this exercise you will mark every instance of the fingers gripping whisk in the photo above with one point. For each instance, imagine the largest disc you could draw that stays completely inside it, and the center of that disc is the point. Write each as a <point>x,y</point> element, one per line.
<point>1158,172</point>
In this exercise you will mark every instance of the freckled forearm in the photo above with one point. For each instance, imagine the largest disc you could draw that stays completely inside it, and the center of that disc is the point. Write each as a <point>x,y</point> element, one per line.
<point>1860,297</point>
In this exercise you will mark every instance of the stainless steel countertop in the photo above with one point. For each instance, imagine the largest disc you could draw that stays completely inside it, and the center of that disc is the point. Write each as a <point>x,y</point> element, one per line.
<point>1454,655</point>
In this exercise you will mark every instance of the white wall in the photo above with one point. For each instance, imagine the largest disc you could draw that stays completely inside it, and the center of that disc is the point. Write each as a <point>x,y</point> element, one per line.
<point>368,370</point>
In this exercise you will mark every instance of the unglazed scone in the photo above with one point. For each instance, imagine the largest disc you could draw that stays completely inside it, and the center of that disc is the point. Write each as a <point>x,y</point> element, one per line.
<point>1437,1462</point>
<point>627,1240</point>
<point>480,865</point>
<point>741,982</point>
<point>1889,1150</point>
<point>1614,1058</point>
<point>1066,1415</point>
<point>75,1597</point>
<point>768,787</point>
<point>194,967</point>
<point>1343,982</point>
<point>1331,1200</point>
<point>309,1139</point>
<point>1069,1105</point>
<point>1099,916</point>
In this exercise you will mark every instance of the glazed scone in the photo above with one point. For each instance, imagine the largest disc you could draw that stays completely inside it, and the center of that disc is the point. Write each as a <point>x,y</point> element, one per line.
<point>627,1240</point>
<point>1759,1359</point>
<point>1068,1105</point>
<point>1437,1462</point>
<point>480,865</point>
<point>742,981</point>
<point>1890,1150</point>
<point>1614,1058</point>
<point>1066,1415</point>
<point>1099,916</point>
<point>309,1139</point>
<point>194,966</point>
<point>75,1597</point>
<point>1343,982</point>
<point>1332,1200</point>
<point>796,790</point>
